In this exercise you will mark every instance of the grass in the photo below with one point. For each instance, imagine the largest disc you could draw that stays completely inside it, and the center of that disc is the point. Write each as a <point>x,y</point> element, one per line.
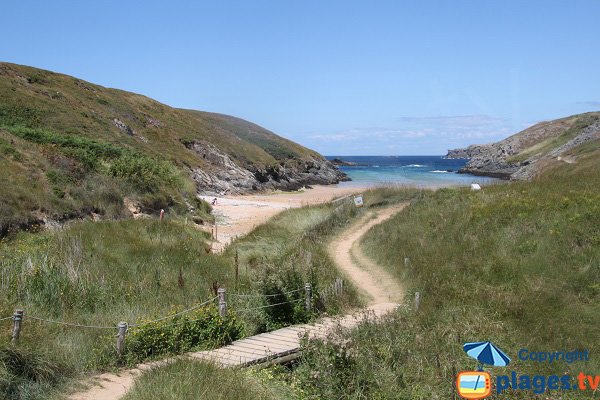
<point>200,380</point>
<point>37,98</point>
<point>516,264</point>
<point>71,149</point>
<point>136,270</point>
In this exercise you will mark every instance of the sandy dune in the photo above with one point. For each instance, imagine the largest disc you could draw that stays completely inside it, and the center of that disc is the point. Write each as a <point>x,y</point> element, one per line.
<point>238,215</point>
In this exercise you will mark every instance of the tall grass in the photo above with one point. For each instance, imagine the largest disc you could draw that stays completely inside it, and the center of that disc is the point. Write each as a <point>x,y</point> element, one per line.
<point>136,270</point>
<point>200,380</point>
<point>516,264</point>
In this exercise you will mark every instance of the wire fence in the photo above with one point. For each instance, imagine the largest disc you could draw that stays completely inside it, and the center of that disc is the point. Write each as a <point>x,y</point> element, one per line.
<point>247,303</point>
<point>258,295</point>
<point>73,325</point>
<point>335,288</point>
<point>269,305</point>
<point>176,314</point>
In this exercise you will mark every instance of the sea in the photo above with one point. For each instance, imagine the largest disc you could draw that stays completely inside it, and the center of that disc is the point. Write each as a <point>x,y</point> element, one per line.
<point>419,171</point>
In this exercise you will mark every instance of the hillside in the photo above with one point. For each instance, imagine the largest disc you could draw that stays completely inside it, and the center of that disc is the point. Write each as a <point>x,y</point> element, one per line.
<point>527,153</point>
<point>70,148</point>
<point>517,264</point>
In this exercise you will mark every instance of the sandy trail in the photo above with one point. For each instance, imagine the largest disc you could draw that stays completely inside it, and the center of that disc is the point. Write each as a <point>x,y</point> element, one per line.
<point>383,289</point>
<point>378,284</point>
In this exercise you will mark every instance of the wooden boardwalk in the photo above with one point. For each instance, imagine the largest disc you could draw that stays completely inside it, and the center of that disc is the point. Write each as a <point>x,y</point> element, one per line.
<point>283,342</point>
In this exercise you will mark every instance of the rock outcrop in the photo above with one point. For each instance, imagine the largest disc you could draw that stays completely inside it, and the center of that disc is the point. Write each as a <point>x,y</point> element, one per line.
<point>223,175</point>
<point>518,157</point>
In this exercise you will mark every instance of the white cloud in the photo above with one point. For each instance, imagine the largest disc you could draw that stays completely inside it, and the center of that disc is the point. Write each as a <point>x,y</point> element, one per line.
<point>413,135</point>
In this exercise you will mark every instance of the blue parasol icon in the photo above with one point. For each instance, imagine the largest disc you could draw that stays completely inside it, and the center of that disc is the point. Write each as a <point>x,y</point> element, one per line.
<point>486,353</point>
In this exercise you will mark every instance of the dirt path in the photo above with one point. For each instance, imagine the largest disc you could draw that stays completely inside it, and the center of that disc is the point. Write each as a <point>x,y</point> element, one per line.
<point>379,285</point>
<point>384,291</point>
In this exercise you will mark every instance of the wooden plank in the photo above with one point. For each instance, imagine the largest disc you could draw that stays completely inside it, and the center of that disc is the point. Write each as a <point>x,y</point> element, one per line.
<point>264,341</point>
<point>229,359</point>
<point>271,348</point>
<point>273,336</point>
<point>239,352</point>
<point>249,351</point>
<point>264,349</point>
<point>269,343</point>
<point>288,335</point>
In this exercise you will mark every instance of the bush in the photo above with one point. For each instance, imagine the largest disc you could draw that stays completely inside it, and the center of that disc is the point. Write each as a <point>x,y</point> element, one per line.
<point>197,330</point>
<point>144,173</point>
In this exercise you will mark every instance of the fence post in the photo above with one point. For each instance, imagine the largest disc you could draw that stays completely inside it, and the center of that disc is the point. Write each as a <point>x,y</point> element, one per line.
<point>17,318</point>
<point>417,301</point>
<point>308,293</point>
<point>122,327</point>
<point>237,268</point>
<point>222,302</point>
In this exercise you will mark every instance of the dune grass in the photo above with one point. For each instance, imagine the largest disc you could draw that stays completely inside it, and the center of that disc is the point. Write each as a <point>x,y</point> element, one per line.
<point>200,380</point>
<point>516,264</point>
<point>135,270</point>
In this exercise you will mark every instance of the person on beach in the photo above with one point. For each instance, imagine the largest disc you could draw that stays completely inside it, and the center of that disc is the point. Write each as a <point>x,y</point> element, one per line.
<point>214,202</point>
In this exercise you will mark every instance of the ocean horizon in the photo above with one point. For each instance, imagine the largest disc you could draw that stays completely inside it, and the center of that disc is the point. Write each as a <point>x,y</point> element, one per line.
<point>420,171</point>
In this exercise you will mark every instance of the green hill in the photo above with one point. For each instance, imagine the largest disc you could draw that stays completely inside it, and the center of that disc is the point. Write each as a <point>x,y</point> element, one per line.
<point>70,148</point>
<point>526,154</point>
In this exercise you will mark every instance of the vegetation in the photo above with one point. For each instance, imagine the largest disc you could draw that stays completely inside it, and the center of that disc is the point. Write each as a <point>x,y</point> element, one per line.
<point>516,264</point>
<point>199,380</point>
<point>101,273</point>
<point>71,149</point>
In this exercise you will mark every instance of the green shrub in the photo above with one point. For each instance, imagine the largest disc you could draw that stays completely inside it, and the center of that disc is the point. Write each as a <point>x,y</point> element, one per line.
<point>16,115</point>
<point>145,174</point>
<point>9,150</point>
<point>198,330</point>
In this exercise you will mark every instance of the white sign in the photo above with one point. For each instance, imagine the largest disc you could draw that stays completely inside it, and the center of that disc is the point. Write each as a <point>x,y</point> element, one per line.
<point>358,201</point>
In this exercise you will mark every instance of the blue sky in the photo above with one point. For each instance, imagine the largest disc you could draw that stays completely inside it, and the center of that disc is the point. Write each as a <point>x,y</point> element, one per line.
<point>342,77</point>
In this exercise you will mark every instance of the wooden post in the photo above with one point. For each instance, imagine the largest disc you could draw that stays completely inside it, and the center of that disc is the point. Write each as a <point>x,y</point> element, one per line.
<point>237,267</point>
<point>216,232</point>
<point>122,327</point>
<point>222,302</point>
<point>308,293</point>
<point>17,319</point>
<point>417,301</point>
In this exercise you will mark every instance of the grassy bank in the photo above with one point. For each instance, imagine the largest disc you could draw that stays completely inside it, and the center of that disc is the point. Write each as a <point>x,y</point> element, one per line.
<point>516,264</point>
<point>98,274</point>
<point>197,380</point>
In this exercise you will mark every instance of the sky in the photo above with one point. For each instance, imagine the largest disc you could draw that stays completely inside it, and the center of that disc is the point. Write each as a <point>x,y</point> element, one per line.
<point>342,77</point>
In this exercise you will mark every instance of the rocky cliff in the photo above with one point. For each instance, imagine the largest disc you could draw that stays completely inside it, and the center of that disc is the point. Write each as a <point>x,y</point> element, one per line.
<point>523,155</point>
<point>225,176</point>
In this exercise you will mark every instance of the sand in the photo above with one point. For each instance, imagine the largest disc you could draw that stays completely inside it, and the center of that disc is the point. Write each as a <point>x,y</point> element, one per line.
<point>238,215</point>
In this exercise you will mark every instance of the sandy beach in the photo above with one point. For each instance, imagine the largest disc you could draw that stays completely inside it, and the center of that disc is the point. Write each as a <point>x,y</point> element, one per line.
<point>238,215</point>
